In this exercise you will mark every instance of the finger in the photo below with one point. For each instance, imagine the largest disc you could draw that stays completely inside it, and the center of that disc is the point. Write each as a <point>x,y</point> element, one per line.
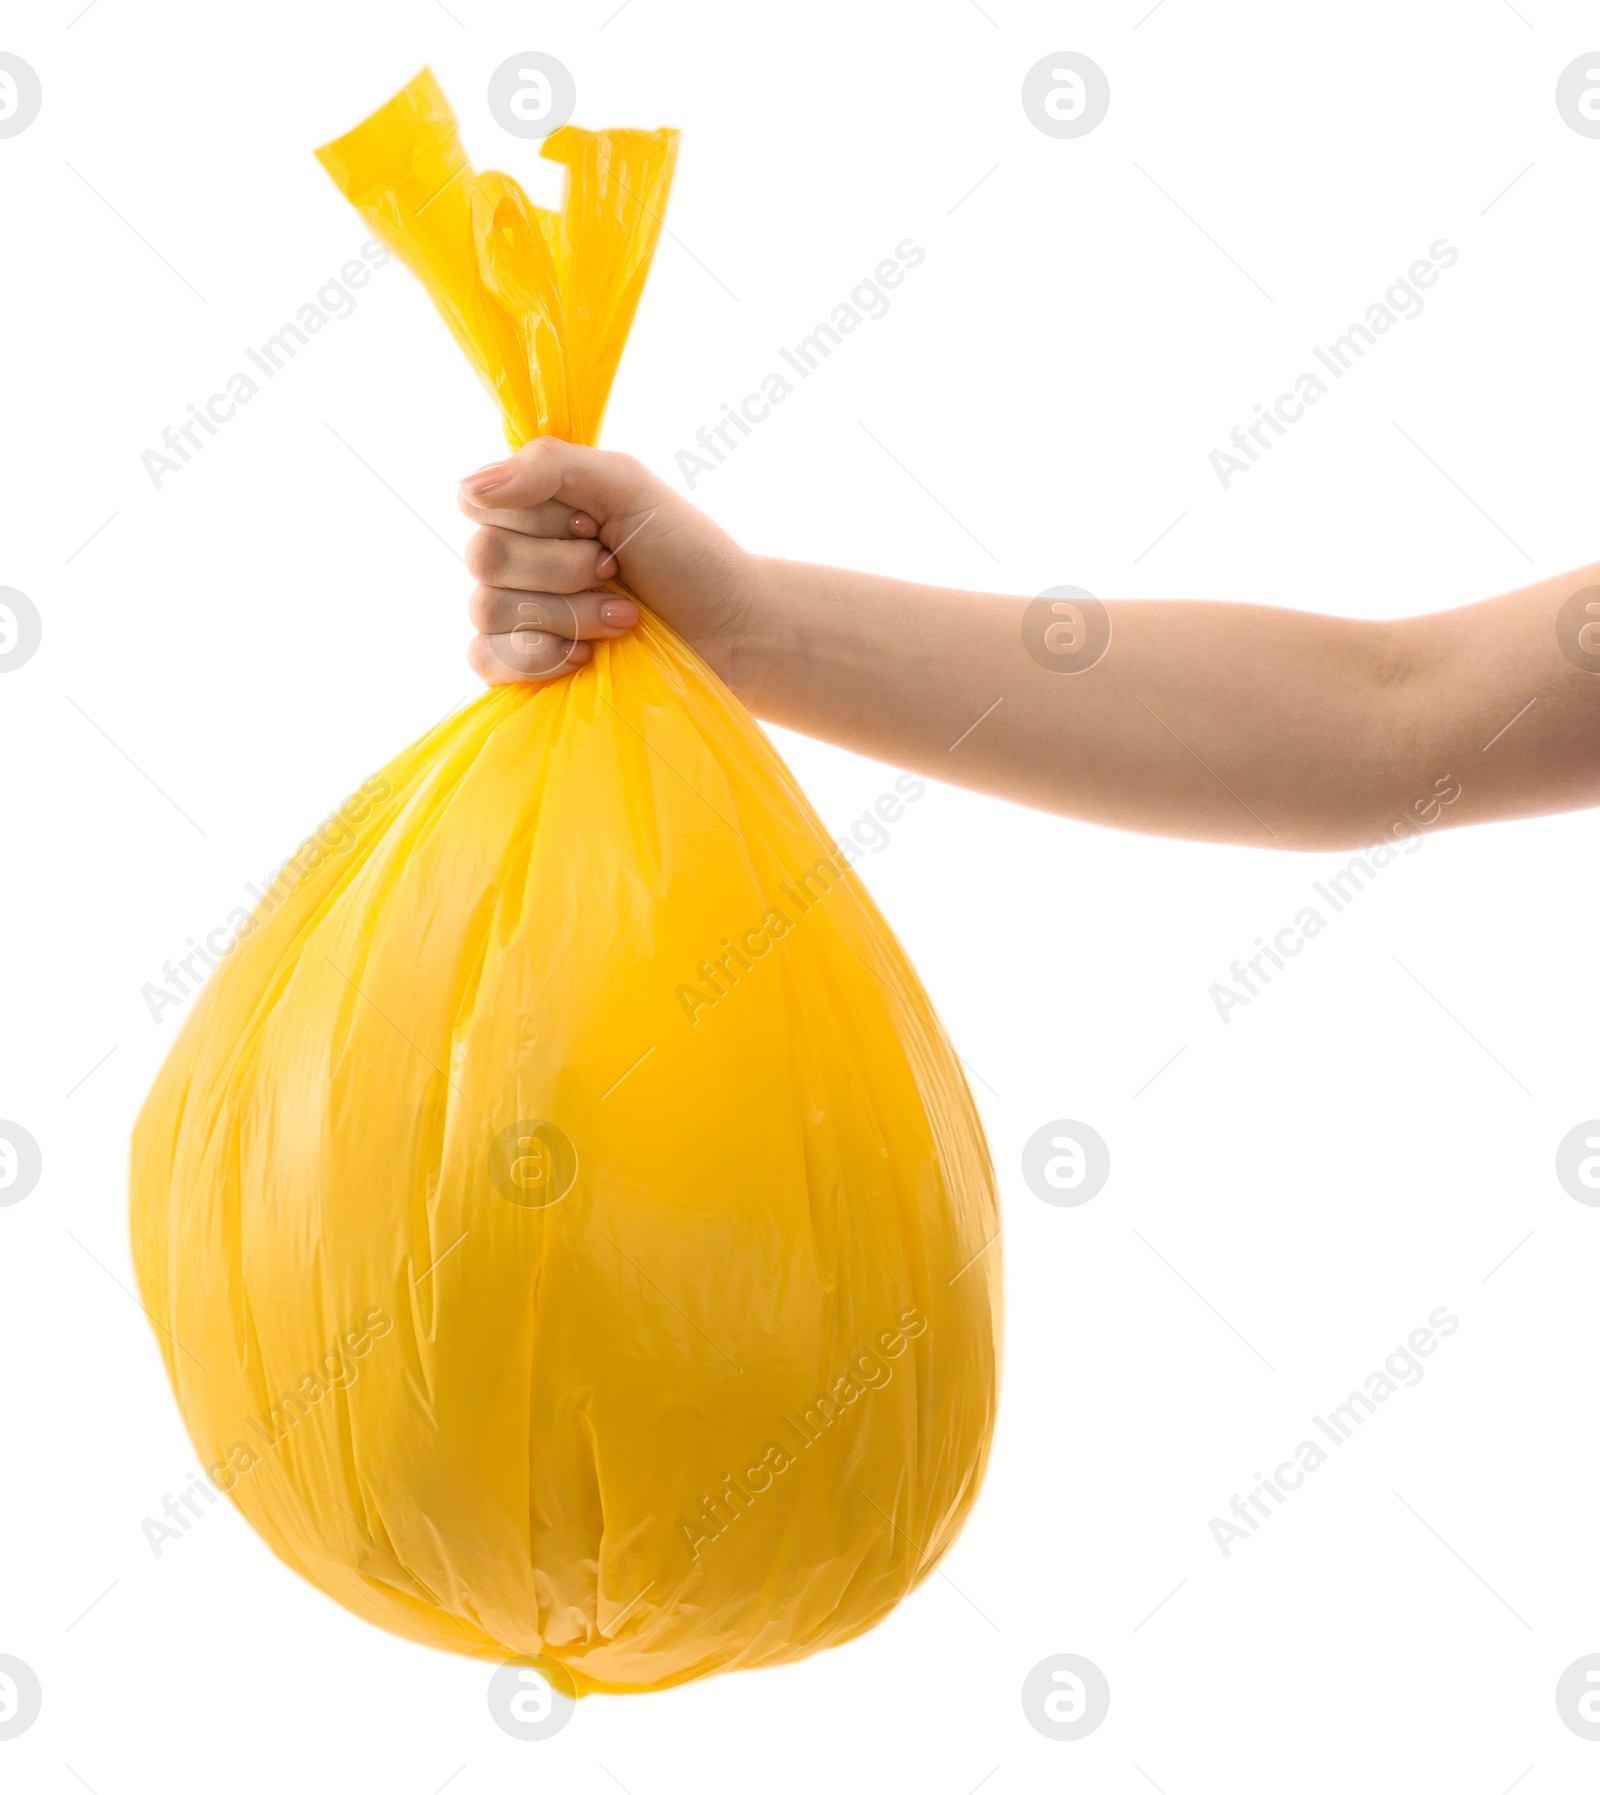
<point>592,480</point>
<point>522,656</point>
<point>497,557</point>
<point>586,616</point>
<point>549,519</point>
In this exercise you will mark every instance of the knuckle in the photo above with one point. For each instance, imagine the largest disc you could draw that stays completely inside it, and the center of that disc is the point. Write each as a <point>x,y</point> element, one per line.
<point>541,459</point>
<point>578,562</point>
<point>480,658</point>
<point>485,556</point>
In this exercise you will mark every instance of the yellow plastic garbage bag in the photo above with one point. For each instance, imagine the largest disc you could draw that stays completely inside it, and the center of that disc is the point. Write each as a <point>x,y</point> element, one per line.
<point>566,1227</point>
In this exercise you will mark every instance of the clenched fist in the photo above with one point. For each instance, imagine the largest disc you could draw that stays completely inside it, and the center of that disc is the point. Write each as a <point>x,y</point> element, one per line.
<point>556,522</point>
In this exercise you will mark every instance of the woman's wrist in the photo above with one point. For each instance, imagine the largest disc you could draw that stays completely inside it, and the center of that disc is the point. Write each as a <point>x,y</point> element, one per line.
<point>760,641</point>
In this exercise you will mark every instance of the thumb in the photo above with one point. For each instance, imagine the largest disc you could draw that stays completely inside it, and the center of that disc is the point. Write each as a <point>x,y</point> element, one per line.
<point>592,480</point>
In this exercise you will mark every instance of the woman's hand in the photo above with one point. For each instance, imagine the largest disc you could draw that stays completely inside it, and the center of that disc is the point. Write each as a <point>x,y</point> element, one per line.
<point>556,522</point>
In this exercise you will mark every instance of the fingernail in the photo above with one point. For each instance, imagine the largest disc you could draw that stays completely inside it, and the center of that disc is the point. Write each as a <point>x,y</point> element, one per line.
<point>619,612</point>
<point>488,478</point>
<point>606,566</point>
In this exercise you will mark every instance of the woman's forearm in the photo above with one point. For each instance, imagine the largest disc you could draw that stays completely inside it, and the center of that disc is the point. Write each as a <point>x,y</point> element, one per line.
<point>1213,721</point>
<point>1219,722</point>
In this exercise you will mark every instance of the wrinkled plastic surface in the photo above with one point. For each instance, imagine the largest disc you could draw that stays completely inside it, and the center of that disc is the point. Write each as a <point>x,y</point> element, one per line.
<point>565,1223</point>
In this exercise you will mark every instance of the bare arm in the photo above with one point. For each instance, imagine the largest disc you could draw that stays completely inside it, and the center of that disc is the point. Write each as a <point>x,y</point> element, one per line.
<point>1212,721</point>
<point>1218,722</point>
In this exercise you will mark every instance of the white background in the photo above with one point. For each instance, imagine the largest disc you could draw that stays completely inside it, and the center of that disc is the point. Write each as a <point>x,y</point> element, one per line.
<point>1323,1171</point>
